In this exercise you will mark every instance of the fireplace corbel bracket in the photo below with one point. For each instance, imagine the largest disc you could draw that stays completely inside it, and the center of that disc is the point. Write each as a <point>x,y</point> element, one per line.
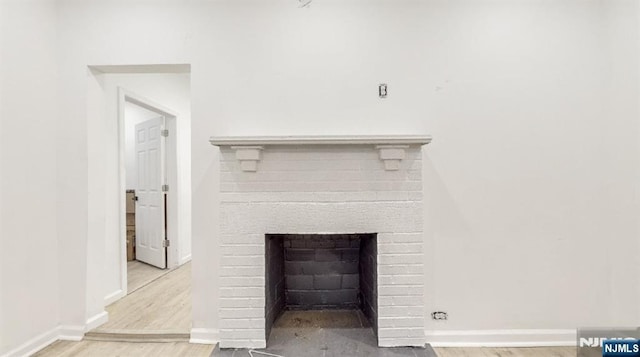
<point>248,156</point>
<point>392,155</point>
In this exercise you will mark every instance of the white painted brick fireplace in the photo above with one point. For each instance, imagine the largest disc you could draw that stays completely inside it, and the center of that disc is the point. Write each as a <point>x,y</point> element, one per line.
<point>321,185</point>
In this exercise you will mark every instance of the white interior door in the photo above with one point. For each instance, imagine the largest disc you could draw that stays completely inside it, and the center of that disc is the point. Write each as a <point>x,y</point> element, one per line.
<point>150,208</point>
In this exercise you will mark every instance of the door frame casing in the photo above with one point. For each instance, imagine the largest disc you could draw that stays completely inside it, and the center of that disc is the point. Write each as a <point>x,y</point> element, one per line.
<point>173,251</point>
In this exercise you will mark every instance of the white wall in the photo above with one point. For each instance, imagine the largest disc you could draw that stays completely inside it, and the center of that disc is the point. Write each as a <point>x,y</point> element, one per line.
<point>29,255</point>
<point>168,90</point>
<point>133,115</point>
<point>622,156</point>
<point>531,174</point>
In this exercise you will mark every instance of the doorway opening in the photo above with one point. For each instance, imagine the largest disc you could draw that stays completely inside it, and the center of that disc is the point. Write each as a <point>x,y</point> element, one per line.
<point>141,134</point>
<point>149,173</point>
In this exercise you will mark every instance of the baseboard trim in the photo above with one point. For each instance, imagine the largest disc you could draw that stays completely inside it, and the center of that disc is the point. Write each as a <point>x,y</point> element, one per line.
<point>185,259</point>
<point>71,333</point>
<point>114,296</point>
<point>35,344</point>
<point>97,320</point>
<point>62,332</point>
<point>502,338</point>
<point>204,336</point>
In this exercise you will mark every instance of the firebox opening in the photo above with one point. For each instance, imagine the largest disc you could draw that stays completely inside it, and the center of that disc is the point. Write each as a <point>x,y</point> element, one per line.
<point>321,280</point>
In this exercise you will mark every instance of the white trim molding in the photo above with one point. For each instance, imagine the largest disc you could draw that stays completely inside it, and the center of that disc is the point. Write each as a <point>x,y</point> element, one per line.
<point>320,140</point>
<point>114,296</point>
<point>185,259</point>
<point>501,338</point>
<point>35,344</point>
<point>204,336</point>
<point>96,321</point>
<point>144,68</point>
<point>71,332</point>
<point>62,332</point>
<point>391,148</point>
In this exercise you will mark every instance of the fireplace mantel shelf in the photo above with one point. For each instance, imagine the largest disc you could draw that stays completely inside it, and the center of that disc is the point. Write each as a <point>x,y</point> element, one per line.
<point>390,147</point>
<point>320,140</point>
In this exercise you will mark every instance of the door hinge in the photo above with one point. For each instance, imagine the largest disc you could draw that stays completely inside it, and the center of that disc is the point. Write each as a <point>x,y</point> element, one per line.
<point>164,132</point>
<point>165,243</point>
<point>165,188</point>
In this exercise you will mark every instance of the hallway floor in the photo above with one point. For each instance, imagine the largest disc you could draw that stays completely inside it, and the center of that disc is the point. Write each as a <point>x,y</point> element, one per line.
<point>140,274</point>
<point>124,349</point>
<point>164,304</point>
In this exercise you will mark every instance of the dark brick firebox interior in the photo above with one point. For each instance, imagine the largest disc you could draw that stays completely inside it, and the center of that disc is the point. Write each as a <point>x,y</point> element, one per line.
<point>321,272</point>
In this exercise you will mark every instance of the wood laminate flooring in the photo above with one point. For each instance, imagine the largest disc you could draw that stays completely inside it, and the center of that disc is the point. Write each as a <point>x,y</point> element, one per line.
<point>140,274</point>
<point>164,304</point>
<point>124,349</point>
<point>110,349</point>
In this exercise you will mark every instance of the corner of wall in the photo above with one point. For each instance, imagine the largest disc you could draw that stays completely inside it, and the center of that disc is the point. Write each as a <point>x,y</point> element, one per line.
<point>204,336</point>
<point>35,344</point>
<point>62,332</point>
<point>185,259</point>
<point>114,296</point>
<point>96,320</point>
<point>70,333</point>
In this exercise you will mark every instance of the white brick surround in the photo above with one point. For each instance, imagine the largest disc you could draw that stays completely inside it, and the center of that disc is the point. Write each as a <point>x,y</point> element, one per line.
<point>312,187</point>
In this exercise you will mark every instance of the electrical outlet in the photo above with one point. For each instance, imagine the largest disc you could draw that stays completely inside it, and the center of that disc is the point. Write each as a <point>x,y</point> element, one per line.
<point>382,90</point>
<point>439,315</point>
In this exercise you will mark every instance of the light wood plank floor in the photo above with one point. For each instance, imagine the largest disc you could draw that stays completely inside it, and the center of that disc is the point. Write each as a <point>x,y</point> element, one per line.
<point>140,274</point>
<point>124,349</point>
<point>107,349</point>
<point>507,352</point>
<point>164,304</point>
